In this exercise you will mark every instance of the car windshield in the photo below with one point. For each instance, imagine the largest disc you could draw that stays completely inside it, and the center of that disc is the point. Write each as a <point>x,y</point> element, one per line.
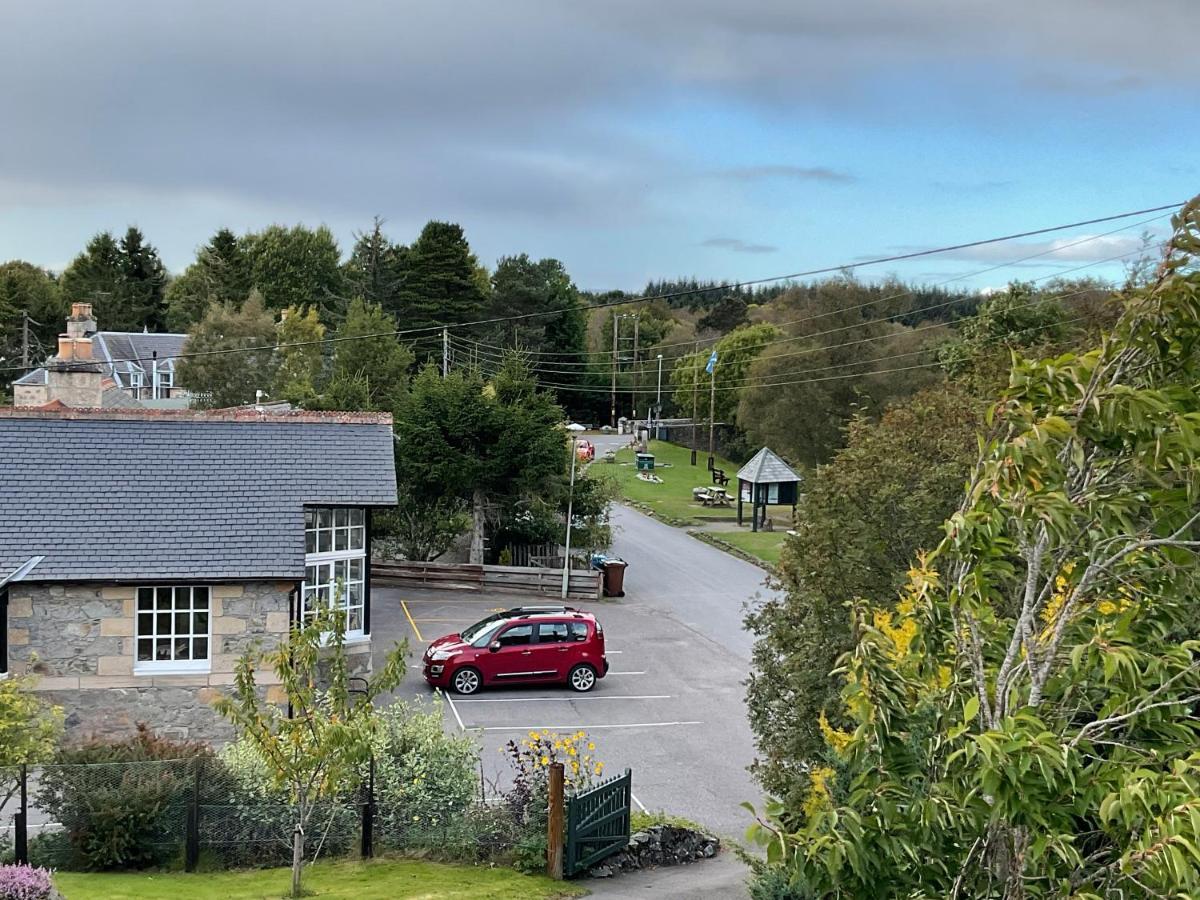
<point>483,625</point>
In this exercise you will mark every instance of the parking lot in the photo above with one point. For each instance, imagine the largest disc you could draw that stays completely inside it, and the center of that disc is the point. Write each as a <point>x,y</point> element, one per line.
<point>670,708</point>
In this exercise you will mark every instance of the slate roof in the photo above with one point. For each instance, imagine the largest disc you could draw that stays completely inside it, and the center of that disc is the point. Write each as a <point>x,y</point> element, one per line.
<point>766,468</point>
<point>124,352</point>
<point>132,495</point>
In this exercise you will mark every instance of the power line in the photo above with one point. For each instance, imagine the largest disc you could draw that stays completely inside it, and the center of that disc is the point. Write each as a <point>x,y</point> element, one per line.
<point>535,366</point>
<point>425,330</point>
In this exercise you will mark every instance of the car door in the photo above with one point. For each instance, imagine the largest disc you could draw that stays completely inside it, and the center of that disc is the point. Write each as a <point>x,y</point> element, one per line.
<point>513,661</point>
<point>552,653</point>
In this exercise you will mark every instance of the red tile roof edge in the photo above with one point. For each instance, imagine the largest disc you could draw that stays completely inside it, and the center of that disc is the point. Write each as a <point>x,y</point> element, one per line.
<point>237,414</point>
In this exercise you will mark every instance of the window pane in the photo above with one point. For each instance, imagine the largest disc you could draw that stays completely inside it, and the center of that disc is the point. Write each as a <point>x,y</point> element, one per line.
<point>517,635</point>
<point>324,517</point>
<point>310,519</point>
<point>183,623</point>
<point>357,516</point>
<point>145,598</point>
<point>200,598</point>
<point>341,517</point>
<point>579,631</point>
<point>358,538</point>
<point>164,623</point>
<point>356,569</point>
<point>354,594</point>
<point>310,542</point>
<point>162,649</point>
<point>145,624</point>
<point>200,648</point>
<point>354,620</point>
<point>552,632</point>
<point>342,539</point>
<point>145,650</point>
<point>324,541</point>
<point>183,649</point>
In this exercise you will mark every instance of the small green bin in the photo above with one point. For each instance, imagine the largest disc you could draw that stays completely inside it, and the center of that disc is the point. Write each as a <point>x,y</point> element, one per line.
<point>645,462</point>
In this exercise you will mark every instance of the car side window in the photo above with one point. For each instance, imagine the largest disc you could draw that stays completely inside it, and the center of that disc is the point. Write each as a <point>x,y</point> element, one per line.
<point>552,632</point>
<point>517,635</point>
<point>579,631</point>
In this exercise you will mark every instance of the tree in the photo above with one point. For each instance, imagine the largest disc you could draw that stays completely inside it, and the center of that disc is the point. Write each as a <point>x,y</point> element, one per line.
<point>124,281</point>
<point>420,529</point>
<point>297,266</point>
<point>861,519</point>
<point>730,312</point>
<point>366,348</point>
<point>319,747</point>
<point>801,393</point>
<point>1024,717</point>
<point>30,729</point>
<point>377,268</point>
<point>298,365</point>
<point>25,288</point>
<point>521,287</point>
<point>221,273</point>
<point>230,378</point>
<point>442,286</point>
<point>486,444</point>
<point>735,353</point>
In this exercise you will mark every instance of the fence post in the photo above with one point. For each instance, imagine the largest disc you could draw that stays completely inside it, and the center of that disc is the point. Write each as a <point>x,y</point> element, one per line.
<point>21,838</point>
<point>554,830</point>
<point>368,813</point>
<point>191,849</point>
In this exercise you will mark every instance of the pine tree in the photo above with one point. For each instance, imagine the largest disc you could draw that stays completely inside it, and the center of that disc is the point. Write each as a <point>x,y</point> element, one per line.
<point>377,268</point>
<point>442,286</point>
<point>124,281</point>
<point>221,274</point>
<point>144,282</point>
<point>381,361</point>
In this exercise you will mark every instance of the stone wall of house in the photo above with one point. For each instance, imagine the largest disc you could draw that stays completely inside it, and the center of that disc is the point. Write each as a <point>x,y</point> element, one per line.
<point>79,640</point>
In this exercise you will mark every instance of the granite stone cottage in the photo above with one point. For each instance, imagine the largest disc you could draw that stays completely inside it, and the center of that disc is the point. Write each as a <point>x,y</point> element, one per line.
<point>141,552</point>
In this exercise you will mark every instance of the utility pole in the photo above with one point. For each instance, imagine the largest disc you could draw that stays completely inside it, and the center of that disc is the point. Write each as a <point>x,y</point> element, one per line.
<point>712,414</point>
<point>637,373</point>
<point>695,396</point>
<point>658,398</point>
<point>570,503</point>
<point>445,352</point>
<point>613,413</point>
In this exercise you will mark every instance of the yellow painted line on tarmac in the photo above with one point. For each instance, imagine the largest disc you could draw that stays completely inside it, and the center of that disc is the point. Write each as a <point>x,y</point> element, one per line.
<point>408,615</point>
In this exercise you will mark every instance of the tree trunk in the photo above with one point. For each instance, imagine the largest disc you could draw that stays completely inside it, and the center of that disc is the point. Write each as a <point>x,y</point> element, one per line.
<point>477,526</point>
<point>297,858</point>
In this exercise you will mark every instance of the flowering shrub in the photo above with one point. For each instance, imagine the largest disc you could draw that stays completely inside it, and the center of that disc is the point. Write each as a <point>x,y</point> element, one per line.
<point>529,798</point>
<point>25,883</point>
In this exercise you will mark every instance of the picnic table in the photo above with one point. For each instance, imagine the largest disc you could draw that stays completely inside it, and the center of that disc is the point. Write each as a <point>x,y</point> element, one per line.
<point>709,496</point>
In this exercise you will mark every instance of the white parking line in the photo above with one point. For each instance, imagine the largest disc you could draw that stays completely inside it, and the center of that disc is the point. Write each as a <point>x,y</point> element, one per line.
<point>567,698</point>
<point>585,727</point>
<point>610,674</point>
<point>454,709</point>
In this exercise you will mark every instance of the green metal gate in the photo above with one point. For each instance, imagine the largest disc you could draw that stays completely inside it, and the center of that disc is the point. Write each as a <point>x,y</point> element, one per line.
<point>597,823</point>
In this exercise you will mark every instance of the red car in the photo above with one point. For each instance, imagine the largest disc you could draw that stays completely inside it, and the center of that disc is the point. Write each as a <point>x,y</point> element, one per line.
<point>523,645</point>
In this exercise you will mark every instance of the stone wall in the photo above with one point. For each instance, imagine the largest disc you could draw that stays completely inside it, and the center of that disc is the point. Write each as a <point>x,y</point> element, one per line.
<point>79,638</point>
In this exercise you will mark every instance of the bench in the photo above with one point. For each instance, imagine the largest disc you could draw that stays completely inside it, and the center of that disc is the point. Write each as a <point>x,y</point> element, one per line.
<point>719,477</point>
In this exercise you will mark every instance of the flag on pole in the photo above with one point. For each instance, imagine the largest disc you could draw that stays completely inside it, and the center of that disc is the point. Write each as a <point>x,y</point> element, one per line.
<point>712,363</point>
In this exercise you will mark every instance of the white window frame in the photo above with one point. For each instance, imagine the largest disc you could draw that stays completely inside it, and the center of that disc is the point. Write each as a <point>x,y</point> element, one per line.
<point>171,666</point>
<point>135,382</point>
<point>165,381</point>
<point>330,536</point>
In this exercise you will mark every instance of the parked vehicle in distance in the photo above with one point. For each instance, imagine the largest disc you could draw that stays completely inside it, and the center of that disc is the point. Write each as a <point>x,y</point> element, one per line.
<point>553,644</point>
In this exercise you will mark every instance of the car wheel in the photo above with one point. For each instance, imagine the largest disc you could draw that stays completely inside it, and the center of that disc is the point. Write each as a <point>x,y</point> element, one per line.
<point>582,678</point>
<point>466,681</point>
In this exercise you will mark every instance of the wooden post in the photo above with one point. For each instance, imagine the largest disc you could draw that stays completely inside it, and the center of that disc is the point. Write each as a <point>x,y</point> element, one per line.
<point>712,416</point>
<point>695,394</point>
<point>554,831</point>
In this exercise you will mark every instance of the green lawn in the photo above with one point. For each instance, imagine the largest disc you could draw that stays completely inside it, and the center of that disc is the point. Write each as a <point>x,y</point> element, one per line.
<point>766,545</point>
<point>672,500</point>
<point>377,880</point>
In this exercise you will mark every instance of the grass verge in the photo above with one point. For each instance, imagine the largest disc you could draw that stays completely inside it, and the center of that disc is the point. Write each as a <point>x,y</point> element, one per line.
<point>672,500</point>
<point>374,880</point>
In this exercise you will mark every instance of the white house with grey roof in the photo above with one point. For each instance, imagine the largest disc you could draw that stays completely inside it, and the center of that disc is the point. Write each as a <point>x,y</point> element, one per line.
<point>106,369</point>
<point>142,552</point>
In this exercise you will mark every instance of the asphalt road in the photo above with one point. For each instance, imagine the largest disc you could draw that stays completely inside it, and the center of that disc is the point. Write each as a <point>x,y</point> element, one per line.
<point>672,708</point>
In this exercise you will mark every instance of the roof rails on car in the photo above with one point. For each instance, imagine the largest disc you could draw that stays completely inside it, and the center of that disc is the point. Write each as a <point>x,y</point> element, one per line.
<point>536,610</point>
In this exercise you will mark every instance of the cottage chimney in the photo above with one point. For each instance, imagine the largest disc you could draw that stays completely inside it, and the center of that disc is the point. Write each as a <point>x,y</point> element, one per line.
<point>74,349</point>
<point>81,322</point>
<point>73,378</point>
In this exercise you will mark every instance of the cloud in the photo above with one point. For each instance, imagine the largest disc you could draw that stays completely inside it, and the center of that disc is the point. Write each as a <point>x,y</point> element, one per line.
<point>738,246</point>
<point>793,173</point>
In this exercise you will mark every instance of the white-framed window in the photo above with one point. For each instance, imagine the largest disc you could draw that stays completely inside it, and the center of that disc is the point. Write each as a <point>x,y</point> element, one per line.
<point>335,563</point>
<point>173,630</point>
<point>135,382</point>
<point>165,381</point>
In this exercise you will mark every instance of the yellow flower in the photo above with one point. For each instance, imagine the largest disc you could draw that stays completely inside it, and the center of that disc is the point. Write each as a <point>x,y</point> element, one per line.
<point>545,760</point>
<point>818,791</point>
<point>591,746</point>
<point>535,735</point>
<point>836,739</point>
<point>599,768</point>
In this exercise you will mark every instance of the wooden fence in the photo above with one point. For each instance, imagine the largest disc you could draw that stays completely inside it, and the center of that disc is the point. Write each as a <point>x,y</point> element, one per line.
<point>584,584</point>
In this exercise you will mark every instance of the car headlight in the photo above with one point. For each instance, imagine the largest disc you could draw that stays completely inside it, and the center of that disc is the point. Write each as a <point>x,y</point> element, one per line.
<point>436,669</point>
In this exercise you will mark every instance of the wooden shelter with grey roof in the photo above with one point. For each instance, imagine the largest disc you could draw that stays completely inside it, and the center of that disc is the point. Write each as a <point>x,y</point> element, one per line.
<point>766,481</point>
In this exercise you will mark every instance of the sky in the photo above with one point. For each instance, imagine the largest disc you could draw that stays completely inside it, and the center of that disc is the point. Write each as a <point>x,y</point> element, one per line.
<point>632,140</point>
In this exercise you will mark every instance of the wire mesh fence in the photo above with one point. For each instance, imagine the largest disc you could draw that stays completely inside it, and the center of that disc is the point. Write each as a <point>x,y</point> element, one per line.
<point>198,812</point>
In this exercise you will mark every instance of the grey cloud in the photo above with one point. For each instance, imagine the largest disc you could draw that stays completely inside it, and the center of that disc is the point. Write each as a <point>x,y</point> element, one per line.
<point>793,173</point>
<point>1073,249</point>
<point>738,246</point>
